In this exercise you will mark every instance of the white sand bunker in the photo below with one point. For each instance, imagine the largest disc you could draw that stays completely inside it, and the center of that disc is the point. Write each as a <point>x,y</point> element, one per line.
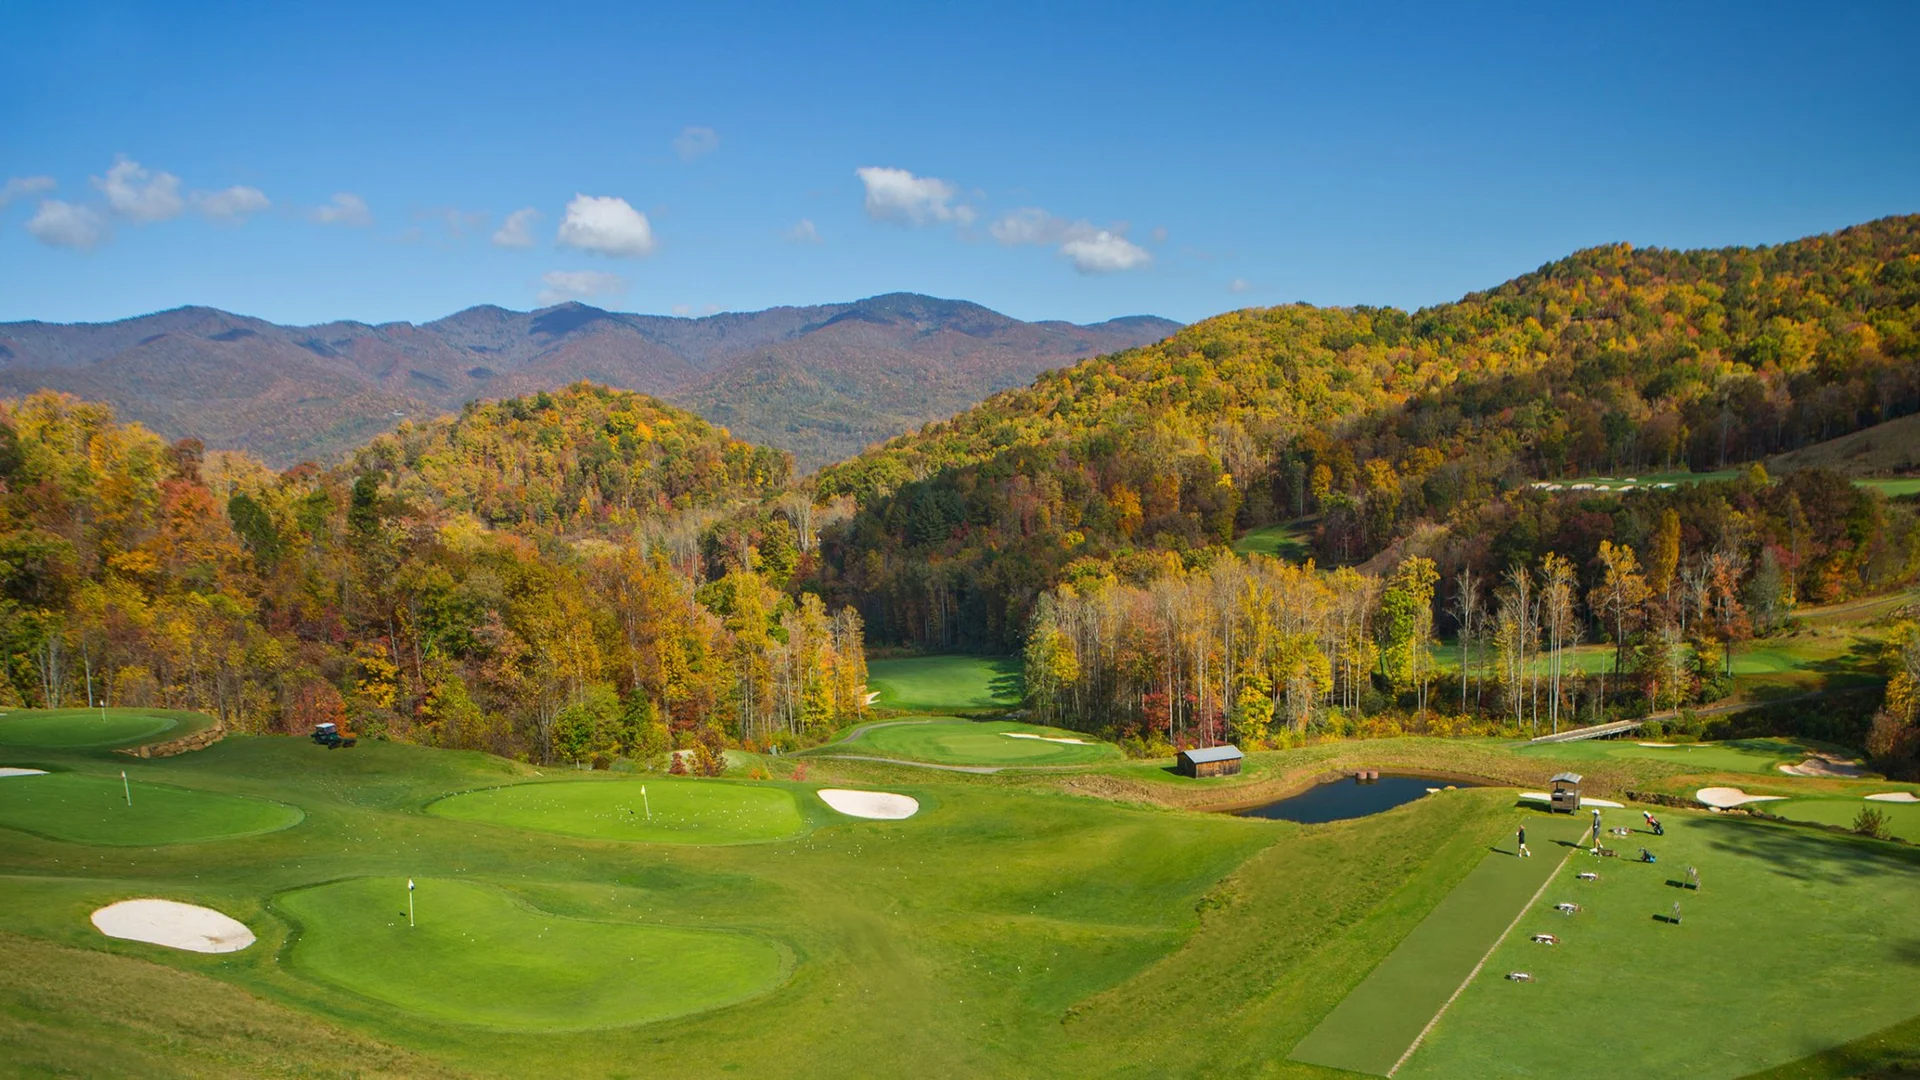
<point>1894,796</point>
<point>1826,765</point>
<point>173,924</point>
<point>22,772</point>
<point>1726,798</point>
<point>881,805</point>
<point>873,697</point>
<point>1044,738</point>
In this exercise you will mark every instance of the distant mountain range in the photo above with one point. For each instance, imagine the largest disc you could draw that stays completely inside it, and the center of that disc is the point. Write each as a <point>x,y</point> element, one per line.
<point>821,382</point>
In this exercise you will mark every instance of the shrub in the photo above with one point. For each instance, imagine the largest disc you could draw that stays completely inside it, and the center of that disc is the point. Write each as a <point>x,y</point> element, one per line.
<point>1871,821</point>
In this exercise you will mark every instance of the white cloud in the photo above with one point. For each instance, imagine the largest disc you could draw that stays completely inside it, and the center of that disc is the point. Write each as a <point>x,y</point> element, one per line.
<point>1032,225</point>
<point>234,204</point>
<point>1159,234</point>
<point>63,224</point>
<point>133,192</point>
<point>1104,252</point>
<point>605,225</point>
<point>803,232</point>
<point>564,285</point>
<point>695,142</point>
<point>683,310</point>
<point>345,209</point>
<point>22,186</point>
<point>1093,250</point>
<point>517,230</point>
<point>898,196</point>
<point>1239,285</point>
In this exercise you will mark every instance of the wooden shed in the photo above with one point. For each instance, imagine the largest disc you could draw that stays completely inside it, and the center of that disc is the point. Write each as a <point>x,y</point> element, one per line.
<point>1210,761</point>
<point>1565,796</point>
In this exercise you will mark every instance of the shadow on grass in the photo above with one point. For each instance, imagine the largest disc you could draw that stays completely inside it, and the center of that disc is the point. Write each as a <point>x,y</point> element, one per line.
<point>1830,858</point>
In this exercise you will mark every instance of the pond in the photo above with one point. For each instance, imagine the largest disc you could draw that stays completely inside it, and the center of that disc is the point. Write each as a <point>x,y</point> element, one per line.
<point>1349,798</point>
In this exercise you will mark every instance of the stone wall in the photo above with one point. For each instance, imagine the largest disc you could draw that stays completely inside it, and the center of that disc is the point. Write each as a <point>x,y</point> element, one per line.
<point>199,740</point>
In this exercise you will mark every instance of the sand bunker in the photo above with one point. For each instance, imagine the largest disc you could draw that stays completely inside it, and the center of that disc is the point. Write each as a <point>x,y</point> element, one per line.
<point>1894,796</point>
<point>1585,800</point>
<point>1820,765</point>
<point>880,805</point>
<point>1725,798</point>
<point>1043,738</point>
<point>22,772</point>
<point>173,924</point>
<point>873,697</point>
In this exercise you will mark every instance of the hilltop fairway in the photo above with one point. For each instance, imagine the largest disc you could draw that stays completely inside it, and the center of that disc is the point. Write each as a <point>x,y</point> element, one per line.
<point>76,729</point>
<point>475,956</point>
<point>94,810</point>
<point>671,811</point>
<point>953,741</point>
<point>945,683</point>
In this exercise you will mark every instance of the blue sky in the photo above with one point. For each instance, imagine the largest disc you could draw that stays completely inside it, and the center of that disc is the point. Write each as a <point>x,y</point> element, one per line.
<point>1075,161</point>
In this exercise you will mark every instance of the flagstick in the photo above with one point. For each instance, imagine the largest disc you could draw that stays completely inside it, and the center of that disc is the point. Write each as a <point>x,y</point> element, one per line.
<point>128,788</point>
<point>646,802</point>
<point>409,903</point>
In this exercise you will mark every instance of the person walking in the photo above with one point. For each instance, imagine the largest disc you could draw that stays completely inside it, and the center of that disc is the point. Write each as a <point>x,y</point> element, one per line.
<point>1524,853</point>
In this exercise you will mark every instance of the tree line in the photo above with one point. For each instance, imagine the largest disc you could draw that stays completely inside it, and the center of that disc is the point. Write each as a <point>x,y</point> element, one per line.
<point>518,579</point>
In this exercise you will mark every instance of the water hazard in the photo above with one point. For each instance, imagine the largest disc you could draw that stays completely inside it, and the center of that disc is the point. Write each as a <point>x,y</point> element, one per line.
<point>1349,798</point>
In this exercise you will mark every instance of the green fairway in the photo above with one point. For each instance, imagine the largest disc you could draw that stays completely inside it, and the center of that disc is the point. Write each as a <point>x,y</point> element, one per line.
<point>476,956</point>
<point>1375,1024</point>
<point>94,810</point>
<point>671,811</point>
<point>1735,755</point>
<point>1902,819</point>
<point>1290,540</point>
<point>952,741</point>
<point>87,728</point>
<point>939,683</point>
<point>1789,947</point>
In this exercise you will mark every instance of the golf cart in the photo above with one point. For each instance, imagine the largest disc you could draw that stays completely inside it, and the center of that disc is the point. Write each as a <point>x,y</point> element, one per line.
<point>330,736</point>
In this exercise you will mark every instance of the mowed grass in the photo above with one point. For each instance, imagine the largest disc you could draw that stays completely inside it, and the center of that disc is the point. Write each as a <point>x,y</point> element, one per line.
<point>89,728</point>
<point>940,683</point>
<point>94,810</point>
<point>1290,540</point>
<point>1375,1025</point>
<point>477,956</point>
<point>1734,755</point>
<point>953,741</point>
<point>1902,820</point>
<point>1791,945</point>
<point>669,811</point>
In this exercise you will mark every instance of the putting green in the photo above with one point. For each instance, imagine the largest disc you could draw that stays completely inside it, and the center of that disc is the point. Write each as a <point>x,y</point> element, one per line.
<point>952,741</point>
<point>74,729</point>
<point>1793,943</point>
<point>94,810</point>
<point>1902,819</point>
<point>1375,1024</point>
<point>477,956</point>
<point>934,683</point>
<point>669,812</point>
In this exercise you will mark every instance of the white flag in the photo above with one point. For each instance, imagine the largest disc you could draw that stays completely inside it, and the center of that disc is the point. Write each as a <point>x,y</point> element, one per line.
<point>409,884</point>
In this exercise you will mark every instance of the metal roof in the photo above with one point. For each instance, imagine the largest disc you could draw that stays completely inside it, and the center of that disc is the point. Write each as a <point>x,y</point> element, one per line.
<point>1213,753</point>
<point>1566,778</point>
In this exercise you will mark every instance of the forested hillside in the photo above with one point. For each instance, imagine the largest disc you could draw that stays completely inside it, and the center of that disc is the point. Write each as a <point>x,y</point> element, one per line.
<point>1374,423</point>
<point>488,581</point>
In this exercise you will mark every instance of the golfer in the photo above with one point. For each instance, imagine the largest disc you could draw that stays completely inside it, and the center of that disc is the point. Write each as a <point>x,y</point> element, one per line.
<point>1596,826</point>
<point>1524,853</point>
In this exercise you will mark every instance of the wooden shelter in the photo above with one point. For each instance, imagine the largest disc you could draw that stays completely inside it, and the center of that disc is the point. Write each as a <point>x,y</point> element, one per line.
<point>1210,761</point>
<point>1565,797</point>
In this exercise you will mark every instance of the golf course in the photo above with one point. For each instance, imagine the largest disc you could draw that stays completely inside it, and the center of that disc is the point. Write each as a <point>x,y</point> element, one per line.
<point>946,889</point>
